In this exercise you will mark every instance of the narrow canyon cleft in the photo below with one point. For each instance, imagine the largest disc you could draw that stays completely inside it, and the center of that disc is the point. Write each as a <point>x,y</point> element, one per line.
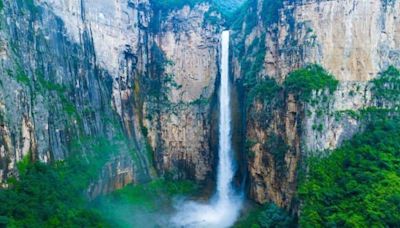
<point>223,208</point>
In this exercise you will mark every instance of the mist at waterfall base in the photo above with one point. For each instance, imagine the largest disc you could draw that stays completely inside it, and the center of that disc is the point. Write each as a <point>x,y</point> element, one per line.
<point>223,208</point>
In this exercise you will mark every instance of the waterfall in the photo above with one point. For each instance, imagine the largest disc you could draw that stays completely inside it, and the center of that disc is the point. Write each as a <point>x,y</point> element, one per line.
<point>223,209</point>
<point>225,167</point>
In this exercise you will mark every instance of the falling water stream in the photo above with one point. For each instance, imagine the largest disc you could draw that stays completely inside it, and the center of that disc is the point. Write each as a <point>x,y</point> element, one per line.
<point>223,209</point>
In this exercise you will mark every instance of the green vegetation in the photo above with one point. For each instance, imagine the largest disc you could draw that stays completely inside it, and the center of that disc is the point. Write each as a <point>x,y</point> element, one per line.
<point>248,145</point>
<point>387,86</point>
<point>270,11</point>
<point>50,86</point>
<point>254,61</point>
<point>318,127</point>
<point>43,198</point>
<point>68,106</point>
<point>358,185</point>
<point>252,57</point>
<point>239,16</point>
<point>24,164</point>
<point>247,14</point>
<point>44,86</point>
<point>265,90</point>
<point>200,101</point>
<point>53,196</point>
<point>277,146</point>
<point>149,196</point>
<point>311,78</point>
<point>142,205</point>
<point>21,76</point>
<point>301,82</point>
<point>154,85</point>
<point>97,150</point>
<point>252,68</point>
<point>251,19</point>
<point>364,114</point>
<point>267,216</point>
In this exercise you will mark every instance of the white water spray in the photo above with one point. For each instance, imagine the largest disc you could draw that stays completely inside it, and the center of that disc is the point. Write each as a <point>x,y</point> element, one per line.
<point>224,209</point>
<point>225,166</point>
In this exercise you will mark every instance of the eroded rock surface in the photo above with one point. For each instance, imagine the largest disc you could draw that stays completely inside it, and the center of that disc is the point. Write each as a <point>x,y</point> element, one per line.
<point>354,40</point>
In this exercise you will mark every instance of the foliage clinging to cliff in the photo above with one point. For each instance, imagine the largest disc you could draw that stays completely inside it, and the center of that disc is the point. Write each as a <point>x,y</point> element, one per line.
<point>265,90</point>
<point>311,78</point>
<point>301,82</point>
<point>359,184</point>
<point>270,11</point>
<point>387,85</point>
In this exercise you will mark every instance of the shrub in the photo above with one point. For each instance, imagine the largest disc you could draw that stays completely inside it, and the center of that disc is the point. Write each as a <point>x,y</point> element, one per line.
<point>358,185</point>
<point>267,216</point>
<point>265,90</point>
<point>252,68</point>
<point>387,86</point>
<point>277,146</point>
<point>311,78</point>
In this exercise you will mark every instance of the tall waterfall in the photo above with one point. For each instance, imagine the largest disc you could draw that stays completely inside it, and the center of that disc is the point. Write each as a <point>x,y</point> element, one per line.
<point>225,167</point>
<point>224,207</point>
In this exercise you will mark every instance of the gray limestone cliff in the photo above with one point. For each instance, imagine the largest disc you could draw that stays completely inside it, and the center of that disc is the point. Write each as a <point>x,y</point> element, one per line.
<point>126,89</point>
<point>354,40</point>
<point>119,86</point>
<point>179,122</point>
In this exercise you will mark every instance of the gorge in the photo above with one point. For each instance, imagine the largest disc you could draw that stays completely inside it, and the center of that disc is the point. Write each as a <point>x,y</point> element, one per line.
<point>192,113</point>
<point>223,210</point>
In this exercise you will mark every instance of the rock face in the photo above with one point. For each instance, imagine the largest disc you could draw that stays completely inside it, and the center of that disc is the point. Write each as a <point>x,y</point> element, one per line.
<point>180,129</point>
<point>117,84</point>
<point>354,40</point>
<point>274,149</point>
<point>56,99</point>
<point>129,87</point>
<point>327,123</point>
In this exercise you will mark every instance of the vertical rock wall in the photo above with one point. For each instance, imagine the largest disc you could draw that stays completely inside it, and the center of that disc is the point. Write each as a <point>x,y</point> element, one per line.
<point>180,127</point>
<point>353,39</point>
<point>56,99</point>
<point>78,78</point>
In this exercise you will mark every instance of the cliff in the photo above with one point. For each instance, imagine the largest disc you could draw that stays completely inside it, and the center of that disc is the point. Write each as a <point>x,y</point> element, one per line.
<point>121,87</point>
<point>352,40</point>
<point>178,116</point>
<point>57,100</point>
<point>125,91</point>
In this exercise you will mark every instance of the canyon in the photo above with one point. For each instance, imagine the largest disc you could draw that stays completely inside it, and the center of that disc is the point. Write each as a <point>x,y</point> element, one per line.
<point>127,91</point>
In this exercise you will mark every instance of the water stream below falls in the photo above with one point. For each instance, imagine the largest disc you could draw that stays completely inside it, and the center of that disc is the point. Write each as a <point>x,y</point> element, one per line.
<point>223,209</point>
